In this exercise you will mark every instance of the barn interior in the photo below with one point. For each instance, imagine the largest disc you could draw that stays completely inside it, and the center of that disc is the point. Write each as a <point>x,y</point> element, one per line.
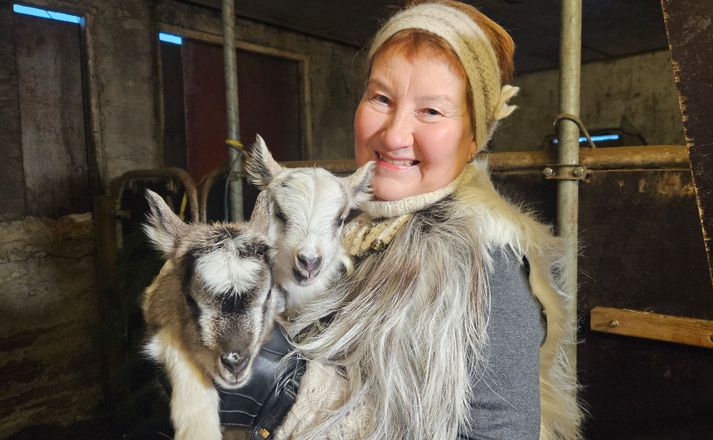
<point>100,100</point>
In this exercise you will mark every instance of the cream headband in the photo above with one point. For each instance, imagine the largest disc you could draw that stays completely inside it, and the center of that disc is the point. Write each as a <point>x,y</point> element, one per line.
<point>473,49</point>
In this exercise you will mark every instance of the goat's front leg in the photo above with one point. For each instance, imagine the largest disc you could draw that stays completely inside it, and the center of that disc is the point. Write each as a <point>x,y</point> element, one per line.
<point>194,400</point>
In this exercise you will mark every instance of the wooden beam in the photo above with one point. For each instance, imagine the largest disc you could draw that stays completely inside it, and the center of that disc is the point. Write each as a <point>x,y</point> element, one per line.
<point>680,330</point>
<point>688,28</point>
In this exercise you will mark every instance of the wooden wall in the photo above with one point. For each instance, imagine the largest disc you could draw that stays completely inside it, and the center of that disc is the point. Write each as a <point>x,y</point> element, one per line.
<point>642,249</point>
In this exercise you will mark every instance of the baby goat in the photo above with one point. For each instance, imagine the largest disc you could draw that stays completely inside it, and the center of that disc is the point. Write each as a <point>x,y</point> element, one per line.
<point>207,312</point>
<point>305,209</point>
<point>211,307</point>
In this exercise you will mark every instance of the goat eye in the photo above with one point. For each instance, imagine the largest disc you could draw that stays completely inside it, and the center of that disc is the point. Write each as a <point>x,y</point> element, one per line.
<point>279,215</point>
<point>192,305</point>
<point>340,221</point>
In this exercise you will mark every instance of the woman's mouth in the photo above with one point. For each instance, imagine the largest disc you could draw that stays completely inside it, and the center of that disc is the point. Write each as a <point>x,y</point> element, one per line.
<point>400,163</point>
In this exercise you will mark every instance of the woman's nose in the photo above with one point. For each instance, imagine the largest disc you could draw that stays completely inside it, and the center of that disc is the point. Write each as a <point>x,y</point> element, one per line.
<point>398,130</point>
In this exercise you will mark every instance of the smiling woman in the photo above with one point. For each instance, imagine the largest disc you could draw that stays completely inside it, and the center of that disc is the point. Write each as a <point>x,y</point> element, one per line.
<point>438,332</point>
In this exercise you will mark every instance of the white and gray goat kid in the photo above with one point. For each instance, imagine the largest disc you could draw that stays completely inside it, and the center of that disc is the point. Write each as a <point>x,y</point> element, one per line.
<point>305,209</point>
<point>212,305</point>
<point>207,312</point>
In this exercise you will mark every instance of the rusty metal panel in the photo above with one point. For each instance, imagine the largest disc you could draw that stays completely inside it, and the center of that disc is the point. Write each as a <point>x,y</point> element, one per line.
<point>174,127</point>
<point>52,116</point>
<point>641,249</point>
<point>12,180</point>
<point>204,100</point>
<point>689,26</point>
<point>269,93</point>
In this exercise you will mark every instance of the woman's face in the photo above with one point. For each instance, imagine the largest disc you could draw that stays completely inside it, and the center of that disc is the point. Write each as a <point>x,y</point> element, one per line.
<point>413,121</point>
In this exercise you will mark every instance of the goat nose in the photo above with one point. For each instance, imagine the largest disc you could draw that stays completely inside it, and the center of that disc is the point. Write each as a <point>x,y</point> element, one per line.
<point>233,362</point>
<point>309,263</point>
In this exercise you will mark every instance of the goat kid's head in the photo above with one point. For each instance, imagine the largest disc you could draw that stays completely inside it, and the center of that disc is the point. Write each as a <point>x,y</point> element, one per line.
<point>224,272</point>
<point>305,209</point>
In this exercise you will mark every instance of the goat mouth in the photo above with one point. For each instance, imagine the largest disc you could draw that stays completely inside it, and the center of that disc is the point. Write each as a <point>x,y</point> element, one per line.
<point>229,380</point>
<point>304,279</point>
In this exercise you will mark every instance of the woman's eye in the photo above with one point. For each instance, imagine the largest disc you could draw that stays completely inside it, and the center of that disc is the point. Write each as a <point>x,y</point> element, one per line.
<point>381,99</point>
<point>431,112</point>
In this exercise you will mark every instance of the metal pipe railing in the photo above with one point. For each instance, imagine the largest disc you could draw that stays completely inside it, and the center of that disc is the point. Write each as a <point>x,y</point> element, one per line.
<point>116,188</point>
<point>206,185</point>
<point>568,135</point>
<point>235,188</point>
<point>608,158</point>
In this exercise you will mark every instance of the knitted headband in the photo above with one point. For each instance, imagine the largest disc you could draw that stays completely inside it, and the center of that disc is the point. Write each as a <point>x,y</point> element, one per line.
<point>473,49</point>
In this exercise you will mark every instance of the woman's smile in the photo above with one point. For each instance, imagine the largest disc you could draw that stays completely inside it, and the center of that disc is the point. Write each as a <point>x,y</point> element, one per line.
<point>394,163</point>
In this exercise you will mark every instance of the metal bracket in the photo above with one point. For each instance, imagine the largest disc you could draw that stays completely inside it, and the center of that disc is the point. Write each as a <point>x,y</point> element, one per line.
<point>565,172</point>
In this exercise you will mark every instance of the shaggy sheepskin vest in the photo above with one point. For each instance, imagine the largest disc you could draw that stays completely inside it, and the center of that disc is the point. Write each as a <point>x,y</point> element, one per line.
<point>392,239</point>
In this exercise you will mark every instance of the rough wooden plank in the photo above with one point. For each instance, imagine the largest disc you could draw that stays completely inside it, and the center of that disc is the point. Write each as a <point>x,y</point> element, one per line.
<point>689,26</point>
<point>51,112</point>
<point>12,180</point>
<point>680,330</point>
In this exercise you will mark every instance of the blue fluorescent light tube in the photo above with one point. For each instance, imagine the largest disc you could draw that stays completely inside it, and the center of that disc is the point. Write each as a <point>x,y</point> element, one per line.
<point>602,138</point>
<point>43,13</point>
<point>170,38</point>
<point>596,138</point>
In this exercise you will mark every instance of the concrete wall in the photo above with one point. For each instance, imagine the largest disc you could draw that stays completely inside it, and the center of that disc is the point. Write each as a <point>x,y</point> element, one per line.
<point>49,364</point>
<point>639,88</point>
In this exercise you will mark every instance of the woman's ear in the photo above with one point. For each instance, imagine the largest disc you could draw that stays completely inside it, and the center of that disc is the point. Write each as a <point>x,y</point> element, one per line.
<point>472,149</point>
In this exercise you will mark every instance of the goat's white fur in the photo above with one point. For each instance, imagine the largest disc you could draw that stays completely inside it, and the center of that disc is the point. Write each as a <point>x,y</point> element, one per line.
<point>312,199</point>
<point>223,271</point>
<point>194,403</point>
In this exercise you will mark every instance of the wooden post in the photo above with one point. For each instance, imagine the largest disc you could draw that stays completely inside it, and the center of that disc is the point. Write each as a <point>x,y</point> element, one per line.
<point>689,27</point>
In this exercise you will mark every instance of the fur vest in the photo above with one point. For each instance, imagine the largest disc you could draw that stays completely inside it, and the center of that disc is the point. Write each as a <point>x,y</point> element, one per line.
<point>407,325</point>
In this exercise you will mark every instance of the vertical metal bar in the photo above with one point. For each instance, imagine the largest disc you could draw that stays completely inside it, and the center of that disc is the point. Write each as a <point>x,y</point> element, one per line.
<point>568,135</point>
<point>235,188</point>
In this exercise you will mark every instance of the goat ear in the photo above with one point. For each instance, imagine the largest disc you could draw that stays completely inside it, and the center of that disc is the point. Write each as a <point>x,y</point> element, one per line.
<point>262,213</point>
<point>261,167</point>
<point>163,227</point>
<point>358,184</point>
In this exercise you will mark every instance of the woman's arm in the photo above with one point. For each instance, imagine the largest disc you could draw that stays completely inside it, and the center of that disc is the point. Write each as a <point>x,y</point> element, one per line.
<point>506,402</point>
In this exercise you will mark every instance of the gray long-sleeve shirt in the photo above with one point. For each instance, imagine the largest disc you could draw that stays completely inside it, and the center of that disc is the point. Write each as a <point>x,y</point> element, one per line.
<point>506,401</point>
